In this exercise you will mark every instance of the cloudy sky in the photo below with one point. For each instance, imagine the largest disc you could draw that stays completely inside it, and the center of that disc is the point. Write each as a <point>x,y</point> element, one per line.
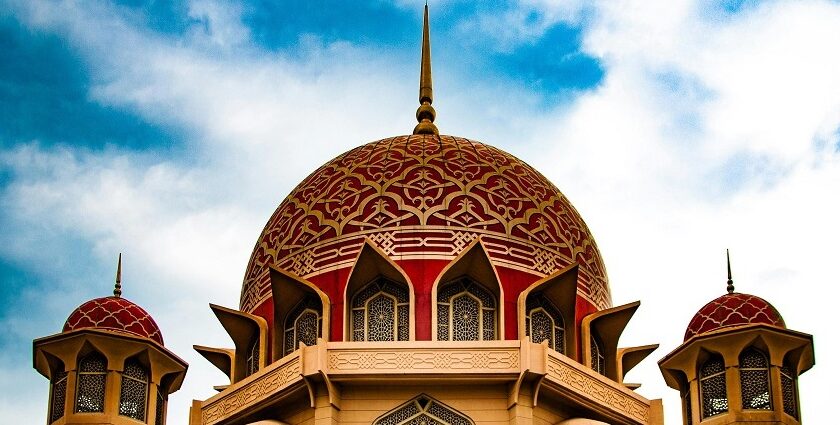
<point>169,131</point>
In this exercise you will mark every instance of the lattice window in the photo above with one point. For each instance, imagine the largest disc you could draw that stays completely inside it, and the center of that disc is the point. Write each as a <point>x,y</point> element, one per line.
<point>754,371</point>
<point>423,410</point>
<point>134,388</point>
<point>252,362</point>
<point>686,396</point>
<point>789,390</point>
<point>90,385</point>
<point>303,324</point>
<point>713,387</point>
<point>380,312</point>
<point>544,322</point>
<point>160,409</point>
<point>466,312</point>
<point>58,393</point>
<point>597,361</point>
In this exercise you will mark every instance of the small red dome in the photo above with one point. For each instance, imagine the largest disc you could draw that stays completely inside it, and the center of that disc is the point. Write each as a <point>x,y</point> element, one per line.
<point>732,310</point>
<point>114,314</point>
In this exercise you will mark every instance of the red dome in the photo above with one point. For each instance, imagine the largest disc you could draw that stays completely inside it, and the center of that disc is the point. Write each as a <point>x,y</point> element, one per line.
<point>422,199</point>
<point>114,314</point>
<point>732,310</point>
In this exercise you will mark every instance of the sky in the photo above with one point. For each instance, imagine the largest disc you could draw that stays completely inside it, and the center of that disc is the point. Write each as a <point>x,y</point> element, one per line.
<point>170,131</point>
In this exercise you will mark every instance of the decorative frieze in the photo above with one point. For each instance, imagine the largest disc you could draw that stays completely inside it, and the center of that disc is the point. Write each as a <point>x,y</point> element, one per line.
<point>465,360</point>
<point>240,398</point>
<point>599,392</point>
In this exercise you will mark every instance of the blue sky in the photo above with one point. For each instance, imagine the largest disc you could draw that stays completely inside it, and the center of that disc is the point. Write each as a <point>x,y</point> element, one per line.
<point>169,131</point>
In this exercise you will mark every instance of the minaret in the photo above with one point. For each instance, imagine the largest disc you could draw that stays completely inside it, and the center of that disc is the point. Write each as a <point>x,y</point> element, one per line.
<point>108,365</point>
<point>426,113</point>
<point>739,363</point>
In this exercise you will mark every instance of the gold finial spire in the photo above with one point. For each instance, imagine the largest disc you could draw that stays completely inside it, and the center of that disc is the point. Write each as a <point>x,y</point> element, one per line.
<point>730,287</point>
<point>426,113</point>
<point>117,286</point>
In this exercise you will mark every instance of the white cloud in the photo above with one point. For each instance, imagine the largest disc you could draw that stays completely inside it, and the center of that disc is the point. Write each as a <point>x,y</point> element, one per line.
<point>684,93</point>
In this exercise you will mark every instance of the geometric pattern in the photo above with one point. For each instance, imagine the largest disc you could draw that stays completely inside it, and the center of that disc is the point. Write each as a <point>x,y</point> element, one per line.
<point>732,310</point>
<point>425,196</point>
<point>115,314</point>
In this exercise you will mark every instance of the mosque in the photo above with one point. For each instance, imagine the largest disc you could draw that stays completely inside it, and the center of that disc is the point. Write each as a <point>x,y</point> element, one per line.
<point>426,280</point>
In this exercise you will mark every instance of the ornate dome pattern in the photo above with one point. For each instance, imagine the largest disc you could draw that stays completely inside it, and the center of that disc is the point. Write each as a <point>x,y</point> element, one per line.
<point>731,310</point>
<point>115,314</point>
<point>422,197</point>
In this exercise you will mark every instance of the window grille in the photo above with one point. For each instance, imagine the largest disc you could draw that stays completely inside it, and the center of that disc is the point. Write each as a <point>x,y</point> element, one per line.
<point>252,362</point>
<point>544,322</point>
<point>90,387</point>
<point>754,371</point>
<point>303,324</point>
<point>789,391</point>
<point>380,312</point>
<point>58,394</point>
<point>134,388</point>
<point>424,411</point>
<point>597,361</point>
<point>160,409</point>
<point>466,312</point>
<point>713,387</point>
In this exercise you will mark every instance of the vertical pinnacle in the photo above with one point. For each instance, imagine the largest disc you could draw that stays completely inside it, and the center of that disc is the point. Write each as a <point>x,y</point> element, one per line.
<point>117,286</point>
<point>426,113</point>
<point>730,287</point>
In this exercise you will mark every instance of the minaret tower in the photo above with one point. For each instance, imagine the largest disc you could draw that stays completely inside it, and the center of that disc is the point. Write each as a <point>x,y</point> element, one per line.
<point>108,365</point>
<point>738,363</point>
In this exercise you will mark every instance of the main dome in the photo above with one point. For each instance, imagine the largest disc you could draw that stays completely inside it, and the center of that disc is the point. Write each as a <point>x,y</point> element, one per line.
<point>424,197</point>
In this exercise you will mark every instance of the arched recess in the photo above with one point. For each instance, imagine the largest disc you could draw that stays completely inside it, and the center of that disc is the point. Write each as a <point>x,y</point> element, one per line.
<point>373,263</point>
<point>135,385</point>
<point>290,293</point>
<point>91,373</point>
<point>475,264</point>
<point>249,334</point>
<point>423,410</point>
<point>560,289</point>
<point>606,326</point>
<point>58,387</point>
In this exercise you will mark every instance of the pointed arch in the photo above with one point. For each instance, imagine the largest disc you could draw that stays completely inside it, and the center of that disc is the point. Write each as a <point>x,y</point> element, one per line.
<point>423,410</point>
<point>134,389</point>
<point>604,328</point>
<point>249,335</point>
<point>472,263</point>
<point>713,396</point>
<point>91,373</point>
<point>58,388</point>
<point>754,373</point>
<point>295,297</point>
<point>371,265</point>
<point>559,289</point>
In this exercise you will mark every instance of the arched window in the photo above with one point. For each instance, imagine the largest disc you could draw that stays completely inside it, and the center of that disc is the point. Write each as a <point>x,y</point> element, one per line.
<point>544,322</point>
<point>466,312</point>
<point>252,362</point>
<point>303,324</point>
<point>58,393</point>
<point>755,380</point>
<point>380,312</point>
<point>134,388</point>
<point>90,385</point>
<point>713,387</point>
<point>160,409</point>
<point>789,390</point>
<point>423,411</point>
<point>597,361</point>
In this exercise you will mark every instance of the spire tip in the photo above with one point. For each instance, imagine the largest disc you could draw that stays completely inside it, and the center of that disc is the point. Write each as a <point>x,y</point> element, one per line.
<point>730,287</point>
<point>426,113</point>
<point>117,285</point>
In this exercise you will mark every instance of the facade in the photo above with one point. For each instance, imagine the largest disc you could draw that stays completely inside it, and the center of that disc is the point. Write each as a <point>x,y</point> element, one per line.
<point>425,279</point>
